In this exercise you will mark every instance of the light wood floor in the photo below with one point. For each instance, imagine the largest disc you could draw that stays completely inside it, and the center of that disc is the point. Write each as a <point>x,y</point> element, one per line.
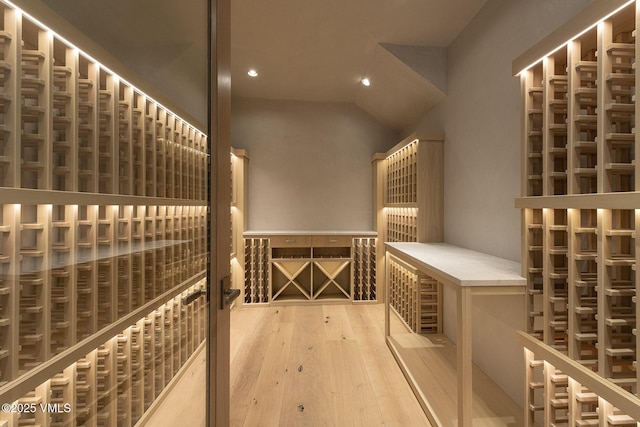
<point>316,365</point>
<point>297,366</point>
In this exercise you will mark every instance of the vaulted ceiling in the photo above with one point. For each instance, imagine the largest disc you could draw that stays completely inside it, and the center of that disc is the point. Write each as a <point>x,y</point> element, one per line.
<point>319,51</point>
<point>303,50</point>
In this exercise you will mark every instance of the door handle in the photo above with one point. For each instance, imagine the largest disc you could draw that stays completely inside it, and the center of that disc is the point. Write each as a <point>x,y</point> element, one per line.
<point>193,296</point>
<point>228,295</point>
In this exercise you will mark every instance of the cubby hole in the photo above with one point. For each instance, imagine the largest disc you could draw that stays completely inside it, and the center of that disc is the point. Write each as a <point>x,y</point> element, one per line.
<point>105,384</point>
<point>61,277</point>
<point>332,252</point>
<point>86,274</point>
<point>291,280</point>
<point>151,174</point>
<point>147,357</point>
<point>558,396</point>
<point>106,145</point>
<point>158,359</point>
<point>123,377</point>
<point>63,162</point>
<point>534,101</point>
<point>585,307</point>
<point>331,280</point>
<point>364,268</point>
<point>85,389</point>
<point>162,252</point>
<point>138,146</point>
<point>152,258</point>
<point>137,371</point>
<point>105,265</point>
<point>86,122</point>
<point>534,268</point>
<point>288,253</point>
<point>585,118</point>
<point>429,306</point>
<point>619,105</point>
<point>7,133</point>
<point>256,270</point>
<point>123,260</point>
<point>534,372</point>
<point>129,176</point>
<point>137,250</point>
<point>6,292</point>
<point>32,286</point>
<point>176,244</point>
<point>175,153</point>
<point>557,84</point>
<point>619,311</point>
<point>557,291</point>
<point>33,130</point>
<point>164,149</point>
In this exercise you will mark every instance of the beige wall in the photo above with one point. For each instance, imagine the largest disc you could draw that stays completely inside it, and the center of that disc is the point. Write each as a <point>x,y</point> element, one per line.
<point>481,121</point>
<point>309,163</point>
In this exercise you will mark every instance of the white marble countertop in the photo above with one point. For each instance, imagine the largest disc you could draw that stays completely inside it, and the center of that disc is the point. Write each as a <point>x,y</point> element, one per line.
<point>308,233</point>
<point>462,267</point>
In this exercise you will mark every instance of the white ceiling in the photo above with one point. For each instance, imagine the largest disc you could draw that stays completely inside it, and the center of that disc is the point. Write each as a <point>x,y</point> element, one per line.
<point>319,51</point>
<point>304,50</point>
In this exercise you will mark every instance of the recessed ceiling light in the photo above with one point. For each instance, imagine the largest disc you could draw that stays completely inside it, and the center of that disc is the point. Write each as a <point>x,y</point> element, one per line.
<point>365,82</point>
<point>252,73</point>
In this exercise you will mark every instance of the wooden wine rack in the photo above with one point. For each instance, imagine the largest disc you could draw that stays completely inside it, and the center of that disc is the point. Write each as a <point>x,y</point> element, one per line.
<point>556,393</point>
<point>256,270</point>
<point>402,224</point>
<point>116,383</point>
<point>408,192</point>
<point>408,184</point>
<point>364,269</point>
<point>415,297</point>
<point>580,223</point>
<point>103,219</point>
<point>283,268</point>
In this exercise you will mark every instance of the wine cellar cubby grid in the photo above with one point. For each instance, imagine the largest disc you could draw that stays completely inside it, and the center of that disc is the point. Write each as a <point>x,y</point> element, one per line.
<point>415,297</point>
<point>556,398</point>
<point>412,190</point>
<point>300,268</point>
<point>104,212</point>
<point>579,231</point>
<point>402,175</point>
<point>402,224</point>
<point>256,270</point>
<point>65,290</point>
<point>364,269</point>
<point>116,383</point>
<point>408,193</point>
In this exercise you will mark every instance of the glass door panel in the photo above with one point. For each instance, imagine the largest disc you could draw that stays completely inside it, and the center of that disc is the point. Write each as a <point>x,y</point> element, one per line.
<point>104,215</point>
